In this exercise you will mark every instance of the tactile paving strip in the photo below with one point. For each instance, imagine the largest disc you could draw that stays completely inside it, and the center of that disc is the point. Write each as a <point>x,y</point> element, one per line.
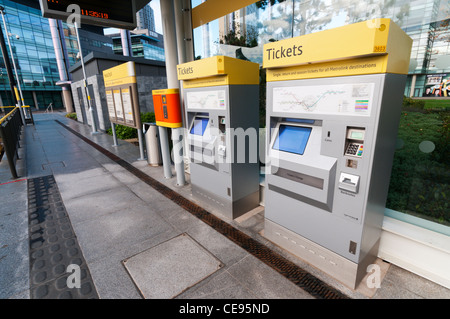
<point>53,246</point>
<point>288,269</point>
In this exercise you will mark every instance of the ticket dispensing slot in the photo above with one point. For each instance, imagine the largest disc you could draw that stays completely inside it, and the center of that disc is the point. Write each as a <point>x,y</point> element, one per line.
<point>349,182</point>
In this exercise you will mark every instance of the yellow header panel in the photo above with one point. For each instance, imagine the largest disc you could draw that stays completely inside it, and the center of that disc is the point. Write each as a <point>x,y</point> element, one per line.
<point>373,38</point>
<point>218,70</point>
<point>122,74</point>
<point>213,9</point>
<point>165,91</point>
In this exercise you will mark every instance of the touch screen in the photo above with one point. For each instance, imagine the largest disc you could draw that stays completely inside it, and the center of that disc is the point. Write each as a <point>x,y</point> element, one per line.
<point>292,139</point>
<point>199,126</point>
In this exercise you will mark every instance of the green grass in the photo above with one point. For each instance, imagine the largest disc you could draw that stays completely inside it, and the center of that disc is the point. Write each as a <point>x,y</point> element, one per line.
<point>437,104</point>
<point>419,180</point>
<point>72,116</point>
<point>124,132</point>
<point>426,104</point>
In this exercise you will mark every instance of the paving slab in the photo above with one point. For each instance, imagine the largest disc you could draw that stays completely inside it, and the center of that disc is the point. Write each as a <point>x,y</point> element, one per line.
<point>127,226</point>
<point>170,268</point>
<point>14,266</point>
<point>220,286</point>
<point>117,230</point>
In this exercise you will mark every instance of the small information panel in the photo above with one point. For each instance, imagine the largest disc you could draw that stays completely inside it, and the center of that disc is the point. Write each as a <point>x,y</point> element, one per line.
<point>122,95</point>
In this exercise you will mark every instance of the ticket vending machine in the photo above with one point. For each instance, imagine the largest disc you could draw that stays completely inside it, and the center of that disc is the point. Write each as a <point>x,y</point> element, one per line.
<point>333,108</point>
<point>221,101</point>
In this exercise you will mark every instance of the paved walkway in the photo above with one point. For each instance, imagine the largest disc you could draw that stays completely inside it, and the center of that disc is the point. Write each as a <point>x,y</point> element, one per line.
<point>135,234</point>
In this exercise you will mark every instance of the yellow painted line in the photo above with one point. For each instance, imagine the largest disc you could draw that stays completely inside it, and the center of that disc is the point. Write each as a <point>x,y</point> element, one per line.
<point>8,107</point>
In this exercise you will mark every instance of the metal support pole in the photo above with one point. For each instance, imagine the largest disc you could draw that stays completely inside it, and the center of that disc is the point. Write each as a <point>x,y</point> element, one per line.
<point>178,159</point>
<point>113,128</point>
<point>171,53</point>
<point>413,85</point>
<point>126,42</point>
<point>91,110</point>
<point>165,151</point>
<point>141,144</point>
<point>62,70</point>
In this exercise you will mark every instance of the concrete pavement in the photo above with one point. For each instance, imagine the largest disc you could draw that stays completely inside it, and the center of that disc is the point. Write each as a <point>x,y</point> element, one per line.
<point>137,242</point>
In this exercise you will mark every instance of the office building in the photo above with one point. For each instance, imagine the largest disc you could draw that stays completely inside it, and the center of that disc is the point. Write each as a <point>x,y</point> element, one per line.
<point>145,19</point>
<point>145,44</point>
<point>34,53</point>
<point>145,41</point>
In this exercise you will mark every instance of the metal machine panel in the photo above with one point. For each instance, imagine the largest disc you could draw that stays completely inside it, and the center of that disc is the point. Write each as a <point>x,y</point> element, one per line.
<point>333,192</point>
<point>221,130</point>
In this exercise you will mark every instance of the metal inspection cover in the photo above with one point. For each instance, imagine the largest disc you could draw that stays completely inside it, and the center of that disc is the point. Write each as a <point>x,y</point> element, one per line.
<point>168,269</point>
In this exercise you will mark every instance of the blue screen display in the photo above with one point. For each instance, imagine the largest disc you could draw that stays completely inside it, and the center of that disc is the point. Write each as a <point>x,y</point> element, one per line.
<point>199,126</point>
<point>292,139</point>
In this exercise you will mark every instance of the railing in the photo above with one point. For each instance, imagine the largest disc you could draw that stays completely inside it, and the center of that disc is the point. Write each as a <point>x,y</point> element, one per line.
<point>28,114</point>
<point>49,107</point>
<point>10,127</point>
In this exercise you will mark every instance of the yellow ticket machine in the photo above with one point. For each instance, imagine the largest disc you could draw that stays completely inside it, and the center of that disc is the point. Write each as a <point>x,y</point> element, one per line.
<point>221,101</point>
<point>333,107</point>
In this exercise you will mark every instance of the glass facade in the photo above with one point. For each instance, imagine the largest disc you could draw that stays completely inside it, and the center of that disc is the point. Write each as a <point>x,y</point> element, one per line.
<point>34,57</point>
<point>248,29</point>
<point>420,176</point>
<point>34,54</point>
<point>149,46</point>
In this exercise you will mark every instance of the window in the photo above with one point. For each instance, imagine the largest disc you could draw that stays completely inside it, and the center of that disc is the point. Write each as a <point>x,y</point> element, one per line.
<point>420,177</point>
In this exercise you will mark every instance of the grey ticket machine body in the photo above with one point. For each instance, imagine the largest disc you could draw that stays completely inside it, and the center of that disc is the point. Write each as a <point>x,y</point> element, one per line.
<point>331,129</point>
<point>221,102</point>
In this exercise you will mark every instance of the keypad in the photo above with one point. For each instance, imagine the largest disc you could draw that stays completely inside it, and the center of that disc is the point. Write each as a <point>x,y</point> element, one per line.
<point>355,149</point>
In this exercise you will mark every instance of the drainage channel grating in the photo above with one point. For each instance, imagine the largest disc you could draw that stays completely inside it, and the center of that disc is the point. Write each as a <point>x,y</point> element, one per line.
<point>288,269</point>
<point>54,247</point>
